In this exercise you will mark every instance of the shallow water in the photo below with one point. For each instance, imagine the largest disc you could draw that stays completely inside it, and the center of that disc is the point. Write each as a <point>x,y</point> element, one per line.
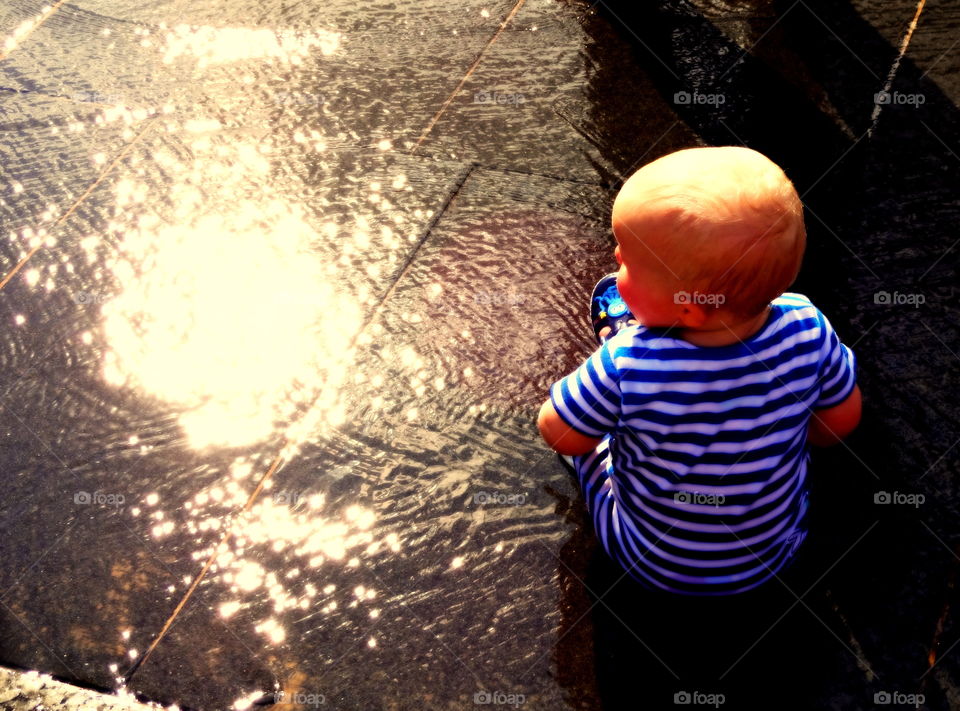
<point>235,275</point>
<point>284,328</point>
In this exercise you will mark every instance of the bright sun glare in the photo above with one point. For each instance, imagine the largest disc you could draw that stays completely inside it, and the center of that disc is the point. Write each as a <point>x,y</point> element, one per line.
<point>224,309</point>
<point>217,299</point>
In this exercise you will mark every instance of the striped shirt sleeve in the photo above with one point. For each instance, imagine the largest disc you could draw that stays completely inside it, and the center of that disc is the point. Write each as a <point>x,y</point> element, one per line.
<point>838,368</point>
<point>588,399</point>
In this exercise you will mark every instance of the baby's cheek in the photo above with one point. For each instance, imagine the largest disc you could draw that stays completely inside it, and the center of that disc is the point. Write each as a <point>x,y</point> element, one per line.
<point>624,286</point>
<point>622,280</point>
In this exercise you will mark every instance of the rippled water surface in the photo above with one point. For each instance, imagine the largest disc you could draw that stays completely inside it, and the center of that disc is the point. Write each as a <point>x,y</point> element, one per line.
<point>273,350</point>
<point>285,284</point>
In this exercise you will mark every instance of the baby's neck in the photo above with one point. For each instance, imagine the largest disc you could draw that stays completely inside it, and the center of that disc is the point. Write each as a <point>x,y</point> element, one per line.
<point>724,334</point>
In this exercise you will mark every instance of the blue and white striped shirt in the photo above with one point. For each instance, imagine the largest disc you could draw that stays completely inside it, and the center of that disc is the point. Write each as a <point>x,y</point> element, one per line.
<point>707,445</point>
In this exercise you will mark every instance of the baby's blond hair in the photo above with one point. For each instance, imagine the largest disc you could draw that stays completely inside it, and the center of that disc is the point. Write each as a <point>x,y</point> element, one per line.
<point>727,221</point>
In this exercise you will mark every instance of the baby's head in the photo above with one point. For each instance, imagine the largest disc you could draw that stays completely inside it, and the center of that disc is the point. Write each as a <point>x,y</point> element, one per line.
<point>718,227</point>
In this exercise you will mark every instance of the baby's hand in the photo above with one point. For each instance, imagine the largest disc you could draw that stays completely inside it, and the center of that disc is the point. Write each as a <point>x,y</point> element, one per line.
<point>605,331</point>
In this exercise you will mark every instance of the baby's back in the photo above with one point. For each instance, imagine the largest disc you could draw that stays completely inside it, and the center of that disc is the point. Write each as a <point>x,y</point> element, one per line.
<point>708,450</point>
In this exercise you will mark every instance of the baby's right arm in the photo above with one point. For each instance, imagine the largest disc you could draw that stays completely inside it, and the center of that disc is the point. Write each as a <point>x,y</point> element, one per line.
<point>560,436</point>
<point>831,424</point>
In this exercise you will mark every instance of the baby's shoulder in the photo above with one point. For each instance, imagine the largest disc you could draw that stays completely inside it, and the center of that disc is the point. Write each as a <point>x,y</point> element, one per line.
<point>799,306</point>
<point>793,300</point>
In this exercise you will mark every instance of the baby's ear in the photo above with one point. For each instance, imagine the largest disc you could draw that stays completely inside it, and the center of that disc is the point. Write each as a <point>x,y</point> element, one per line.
<point>616,253</point>
<point>693,315</point>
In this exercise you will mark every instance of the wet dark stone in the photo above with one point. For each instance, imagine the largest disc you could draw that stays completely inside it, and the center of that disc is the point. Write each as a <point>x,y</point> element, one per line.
<point>435,257</point>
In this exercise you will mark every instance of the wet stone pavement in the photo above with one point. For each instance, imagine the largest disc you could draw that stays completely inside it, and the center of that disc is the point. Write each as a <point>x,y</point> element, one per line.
<point>32,691</point>
<point>283,286</point>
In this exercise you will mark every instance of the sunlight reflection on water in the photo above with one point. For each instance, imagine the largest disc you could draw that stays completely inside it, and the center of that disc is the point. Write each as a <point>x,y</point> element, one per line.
<point>308,536</point>
<point>224,294</point>
<point>228,309</point>
<point>224,309</point>
<point>224,313</point>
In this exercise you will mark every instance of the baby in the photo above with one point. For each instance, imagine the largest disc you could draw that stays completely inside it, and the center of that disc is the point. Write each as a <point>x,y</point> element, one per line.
<point>690,428</point>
